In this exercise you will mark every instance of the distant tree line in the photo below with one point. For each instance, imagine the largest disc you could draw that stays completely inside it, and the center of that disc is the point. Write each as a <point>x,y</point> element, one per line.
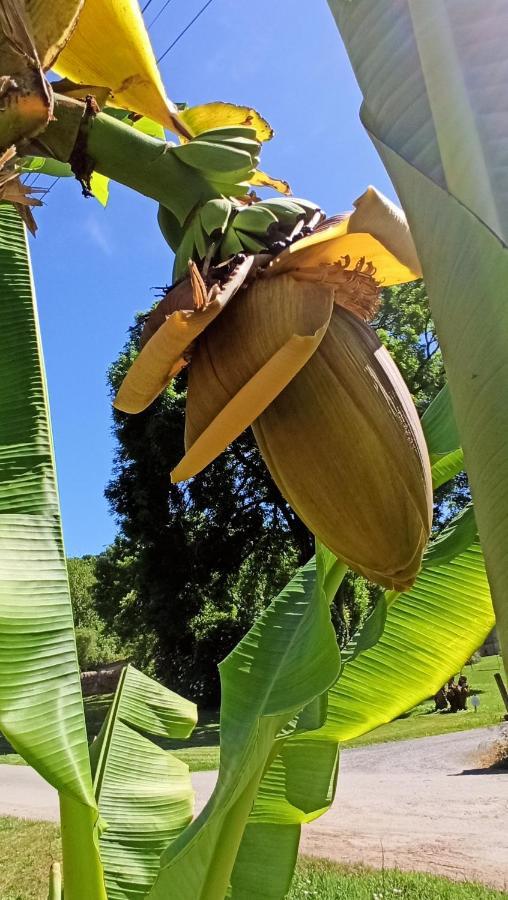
<point>193,565</point>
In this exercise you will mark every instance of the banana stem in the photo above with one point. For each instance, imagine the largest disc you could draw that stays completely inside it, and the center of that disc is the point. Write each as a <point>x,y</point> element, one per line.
<point>55,882</point>
<point>97,141</point>
<point>144,164</point>
<point>82,867</point>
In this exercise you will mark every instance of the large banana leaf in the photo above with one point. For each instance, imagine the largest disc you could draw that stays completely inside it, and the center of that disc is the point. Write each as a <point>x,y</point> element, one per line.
<point>144,793</point>
<point>396,660</point>
<point>437,119</point>
<point>430,632</point>
<point>439,426</point>
<point>41,710</point>
<point>287,660</point>
<point>297,787</point>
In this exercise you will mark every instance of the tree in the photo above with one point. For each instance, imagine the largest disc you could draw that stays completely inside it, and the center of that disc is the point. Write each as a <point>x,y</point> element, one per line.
<point>96,641</point>
<point>81,572</point>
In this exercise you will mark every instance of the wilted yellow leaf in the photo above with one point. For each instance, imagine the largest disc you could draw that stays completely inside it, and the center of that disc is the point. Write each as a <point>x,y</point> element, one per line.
<point>262,179</point>
<point>99,185</point>
<point>221,115</point>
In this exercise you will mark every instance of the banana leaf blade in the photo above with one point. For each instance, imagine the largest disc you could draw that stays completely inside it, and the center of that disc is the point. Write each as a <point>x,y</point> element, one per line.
<point>430,632</point>
<point>287,660</point>
<point>144,792</point>
<point>40,693</point>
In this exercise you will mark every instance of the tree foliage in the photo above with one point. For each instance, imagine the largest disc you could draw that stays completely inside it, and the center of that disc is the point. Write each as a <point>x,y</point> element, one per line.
<point>96,641</point>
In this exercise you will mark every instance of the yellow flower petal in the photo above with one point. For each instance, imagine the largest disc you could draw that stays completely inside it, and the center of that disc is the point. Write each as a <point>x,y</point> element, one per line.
<point>377,232</point>
<point>110,47</point>
<point>164,355</point>
<point>245,360</point>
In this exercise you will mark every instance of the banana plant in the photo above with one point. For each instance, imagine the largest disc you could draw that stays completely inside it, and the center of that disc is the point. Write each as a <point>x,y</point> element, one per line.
<point>435,120</point>
<point>287,699</point>
<point>314,367</point>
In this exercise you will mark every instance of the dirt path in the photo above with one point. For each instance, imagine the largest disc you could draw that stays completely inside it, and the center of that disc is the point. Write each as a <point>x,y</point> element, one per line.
<point>418,805</point>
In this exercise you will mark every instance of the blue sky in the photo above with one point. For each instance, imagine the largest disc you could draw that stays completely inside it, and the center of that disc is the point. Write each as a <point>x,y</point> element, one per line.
<point>94,268</point>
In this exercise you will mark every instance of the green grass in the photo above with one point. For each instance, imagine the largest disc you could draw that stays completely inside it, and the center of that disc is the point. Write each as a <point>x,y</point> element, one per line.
<point>422,721</point>
<point>27,850</point>
<point>201,751</point>
<point>322,880</point>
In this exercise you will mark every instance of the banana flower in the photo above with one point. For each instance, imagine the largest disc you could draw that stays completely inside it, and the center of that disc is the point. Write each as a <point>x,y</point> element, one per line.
<point>293,355</point>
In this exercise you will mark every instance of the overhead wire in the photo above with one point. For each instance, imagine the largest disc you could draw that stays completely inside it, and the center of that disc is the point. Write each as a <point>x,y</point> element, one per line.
<point>47,190</point>
<point>184,30</point>
<point>163,7</point>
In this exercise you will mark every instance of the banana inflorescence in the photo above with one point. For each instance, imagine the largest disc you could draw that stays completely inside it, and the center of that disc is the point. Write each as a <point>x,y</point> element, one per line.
<point>227,225</point>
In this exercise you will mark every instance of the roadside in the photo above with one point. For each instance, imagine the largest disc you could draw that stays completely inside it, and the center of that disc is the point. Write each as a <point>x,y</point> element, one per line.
<point>27,850</point>
<point>421,805</point>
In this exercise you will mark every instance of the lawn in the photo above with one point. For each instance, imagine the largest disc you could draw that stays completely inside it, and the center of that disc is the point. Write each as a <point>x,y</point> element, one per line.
<point>201,751</point>
<point>27,850</point>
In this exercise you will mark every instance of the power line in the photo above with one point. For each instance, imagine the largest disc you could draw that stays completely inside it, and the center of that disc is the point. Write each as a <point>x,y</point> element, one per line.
<point>184,30</point>
<point>163,7</point>
<point>47,190</point>
<point>146,6</point>
<point>31,175</point>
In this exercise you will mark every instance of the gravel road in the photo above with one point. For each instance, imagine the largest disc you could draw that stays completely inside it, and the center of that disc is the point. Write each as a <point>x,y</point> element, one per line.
<point>419,805</point>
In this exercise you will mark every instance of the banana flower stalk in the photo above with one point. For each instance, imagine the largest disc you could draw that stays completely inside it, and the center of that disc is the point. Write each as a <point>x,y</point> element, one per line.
<point>290,352</point>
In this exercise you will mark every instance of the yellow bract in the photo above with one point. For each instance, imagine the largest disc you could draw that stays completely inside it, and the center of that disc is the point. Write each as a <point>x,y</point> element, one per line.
<point>165,353</point>
<point>377,231</point>
<point>110,47</point>
<point>245,360</point>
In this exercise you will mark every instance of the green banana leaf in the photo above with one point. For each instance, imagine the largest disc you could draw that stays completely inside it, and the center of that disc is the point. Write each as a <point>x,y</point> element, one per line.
<point>410,645</point>
<point>443,441</point>
<point>452,540</point>
<point>297,787</point>
<point>439,426</point>
<point>430,632</point>
<point>286,661</point>
<point>436,117</point>
<point>447,467</point>
<point>144,793</point>
<point>41,710</point>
